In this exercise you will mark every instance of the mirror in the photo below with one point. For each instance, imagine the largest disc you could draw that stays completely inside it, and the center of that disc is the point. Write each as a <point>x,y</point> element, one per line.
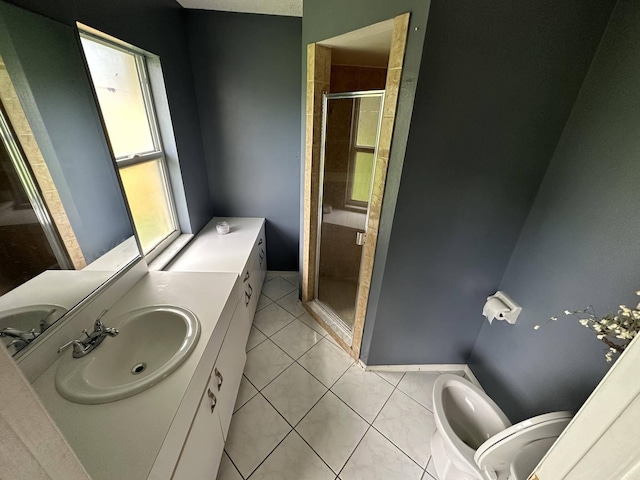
<point>64,226</point>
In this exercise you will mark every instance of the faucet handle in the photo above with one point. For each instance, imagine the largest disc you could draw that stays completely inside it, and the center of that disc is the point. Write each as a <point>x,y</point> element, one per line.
<point>78,347</point>
<point>98,326</point>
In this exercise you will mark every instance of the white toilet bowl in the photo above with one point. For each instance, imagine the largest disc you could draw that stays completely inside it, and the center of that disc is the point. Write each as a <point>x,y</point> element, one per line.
<point>474,439</point>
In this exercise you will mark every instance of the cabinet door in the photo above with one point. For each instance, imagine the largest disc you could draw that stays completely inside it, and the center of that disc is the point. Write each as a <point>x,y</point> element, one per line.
<point>202,451</point>
<point>227,372</point>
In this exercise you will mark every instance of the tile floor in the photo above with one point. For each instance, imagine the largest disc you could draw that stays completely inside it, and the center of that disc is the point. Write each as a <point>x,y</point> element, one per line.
<point>307,411</point>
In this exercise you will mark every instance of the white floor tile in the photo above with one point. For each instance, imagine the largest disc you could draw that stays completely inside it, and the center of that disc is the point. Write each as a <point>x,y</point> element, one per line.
<point>255,431</point>
<point>245,393</point>
<point>311,323</point>
<point>365,392</point>
<point>392,377</point>
<point>408,425</point>
<point>333,430</point>
<point>292,304</point>
<point>263,301</point>
<point>431,470</point>
<point>256,337</point>
<point>264,363</point>
<point>294,393</point>
<point>271,319</point>
<point>419,386</point>
<point>292,277</point>
<point>296,338</point>
<point>376,458</point>
<point>293,460</point>
<point>326,362</point>
<point>227,471</point>
<point>277,288</point>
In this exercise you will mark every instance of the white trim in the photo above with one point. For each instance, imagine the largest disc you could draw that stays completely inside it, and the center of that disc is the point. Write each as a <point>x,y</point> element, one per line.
<point>170,252</point>
<point>471,377</point>
<point>431,367</point>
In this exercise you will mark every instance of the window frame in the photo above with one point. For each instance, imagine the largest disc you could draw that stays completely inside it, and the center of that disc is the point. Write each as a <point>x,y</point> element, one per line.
<point>158,154</point>
<point>355,148</point>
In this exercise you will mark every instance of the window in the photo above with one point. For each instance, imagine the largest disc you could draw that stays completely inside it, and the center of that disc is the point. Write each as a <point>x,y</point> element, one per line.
<point>121,82</point>
<point>365,118</point>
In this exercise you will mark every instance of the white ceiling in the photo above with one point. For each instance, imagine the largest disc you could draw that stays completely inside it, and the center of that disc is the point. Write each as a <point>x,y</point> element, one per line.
<point>366,46</point>
<point>289,8</point>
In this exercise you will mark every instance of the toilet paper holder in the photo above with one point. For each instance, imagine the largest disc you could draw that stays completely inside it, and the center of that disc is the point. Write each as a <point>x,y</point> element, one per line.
<point>501,306</point>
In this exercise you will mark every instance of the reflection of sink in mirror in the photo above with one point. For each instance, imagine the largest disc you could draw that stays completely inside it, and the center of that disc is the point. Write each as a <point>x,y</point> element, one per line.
<point>20,326</point>
<point>152,343</point>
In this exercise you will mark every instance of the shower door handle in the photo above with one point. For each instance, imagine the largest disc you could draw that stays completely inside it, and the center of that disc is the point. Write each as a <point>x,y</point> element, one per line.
<point>361,237</point>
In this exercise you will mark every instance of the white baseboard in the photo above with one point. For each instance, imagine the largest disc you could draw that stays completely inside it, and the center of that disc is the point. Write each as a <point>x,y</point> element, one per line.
<point>472,378</point>
<point>432,367</point>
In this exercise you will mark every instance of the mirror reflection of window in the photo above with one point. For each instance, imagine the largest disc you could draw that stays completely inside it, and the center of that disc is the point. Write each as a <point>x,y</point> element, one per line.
<point>121,82</point>
<point>365,118</point>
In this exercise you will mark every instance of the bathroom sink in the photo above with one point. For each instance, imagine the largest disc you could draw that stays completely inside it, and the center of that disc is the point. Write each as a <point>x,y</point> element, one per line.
<point>152,343</point>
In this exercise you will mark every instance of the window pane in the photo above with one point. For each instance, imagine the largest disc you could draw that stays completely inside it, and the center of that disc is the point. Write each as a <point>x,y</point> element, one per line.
<point>362,176</point>
<point>147,196</point>
<point>368,114</point>
<point>115,77</point>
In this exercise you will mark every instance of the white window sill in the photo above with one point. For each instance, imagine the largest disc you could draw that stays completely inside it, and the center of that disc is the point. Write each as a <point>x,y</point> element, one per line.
<point>169,253</point>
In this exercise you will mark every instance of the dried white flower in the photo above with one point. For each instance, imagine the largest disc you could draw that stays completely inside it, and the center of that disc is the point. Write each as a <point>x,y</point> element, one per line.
<point>616,331</point>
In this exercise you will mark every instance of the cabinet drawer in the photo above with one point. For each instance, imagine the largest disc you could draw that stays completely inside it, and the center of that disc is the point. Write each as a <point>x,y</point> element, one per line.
<point>202,451</point>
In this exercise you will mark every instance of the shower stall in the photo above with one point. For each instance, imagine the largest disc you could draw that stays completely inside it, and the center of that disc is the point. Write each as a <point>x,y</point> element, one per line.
<point>350,131</point>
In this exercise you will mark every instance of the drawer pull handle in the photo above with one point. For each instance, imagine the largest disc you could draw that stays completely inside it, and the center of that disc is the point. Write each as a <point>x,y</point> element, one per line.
<point>213,398</point>
<point>246,276</point>
<point>220,379</point>
<point>261,256</point>
<point>260,241</point>
<point>248,295</point>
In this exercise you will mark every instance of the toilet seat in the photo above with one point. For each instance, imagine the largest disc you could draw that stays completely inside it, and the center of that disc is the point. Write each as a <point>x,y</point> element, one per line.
<point>514,453</point>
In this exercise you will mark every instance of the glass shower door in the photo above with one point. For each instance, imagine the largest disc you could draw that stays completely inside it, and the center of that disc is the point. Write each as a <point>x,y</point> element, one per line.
<point>350,134</point>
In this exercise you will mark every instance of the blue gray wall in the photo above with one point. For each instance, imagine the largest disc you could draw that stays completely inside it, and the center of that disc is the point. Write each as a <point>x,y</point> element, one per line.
<point>246,69</point>
<point>47,68</point>
<point>497,82</point>
<point>157,26</point>
<point>579,246</point>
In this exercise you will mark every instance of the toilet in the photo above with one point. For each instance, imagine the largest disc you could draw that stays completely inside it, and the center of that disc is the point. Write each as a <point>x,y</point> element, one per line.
<point>474,439</point>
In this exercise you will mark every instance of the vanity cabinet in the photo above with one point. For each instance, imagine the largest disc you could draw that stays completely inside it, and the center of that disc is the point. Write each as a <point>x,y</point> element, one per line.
<point>204,445</point>
<point>242,251</point>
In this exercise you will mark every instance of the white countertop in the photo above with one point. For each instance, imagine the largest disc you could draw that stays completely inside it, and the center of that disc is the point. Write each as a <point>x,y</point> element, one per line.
<point>122,439</point>
<point>211,252</point>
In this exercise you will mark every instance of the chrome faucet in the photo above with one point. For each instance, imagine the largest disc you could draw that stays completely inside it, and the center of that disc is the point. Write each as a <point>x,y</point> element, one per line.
<point>83,346</point>
<point>20,338</point>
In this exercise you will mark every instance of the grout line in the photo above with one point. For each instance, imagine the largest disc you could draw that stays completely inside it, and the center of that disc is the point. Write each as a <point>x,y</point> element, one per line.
<point>369,427</point>
<point>274,448</point>
<point>394,386</point>
<point>259,343</point>
<point>224,452</point>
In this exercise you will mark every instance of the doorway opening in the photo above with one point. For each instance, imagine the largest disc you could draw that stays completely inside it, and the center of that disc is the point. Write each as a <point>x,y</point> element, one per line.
<point>352,90</point>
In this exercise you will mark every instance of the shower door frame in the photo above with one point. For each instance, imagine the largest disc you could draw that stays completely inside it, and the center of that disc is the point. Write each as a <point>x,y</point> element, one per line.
<point>331,317</point>
<point>317,82</point>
